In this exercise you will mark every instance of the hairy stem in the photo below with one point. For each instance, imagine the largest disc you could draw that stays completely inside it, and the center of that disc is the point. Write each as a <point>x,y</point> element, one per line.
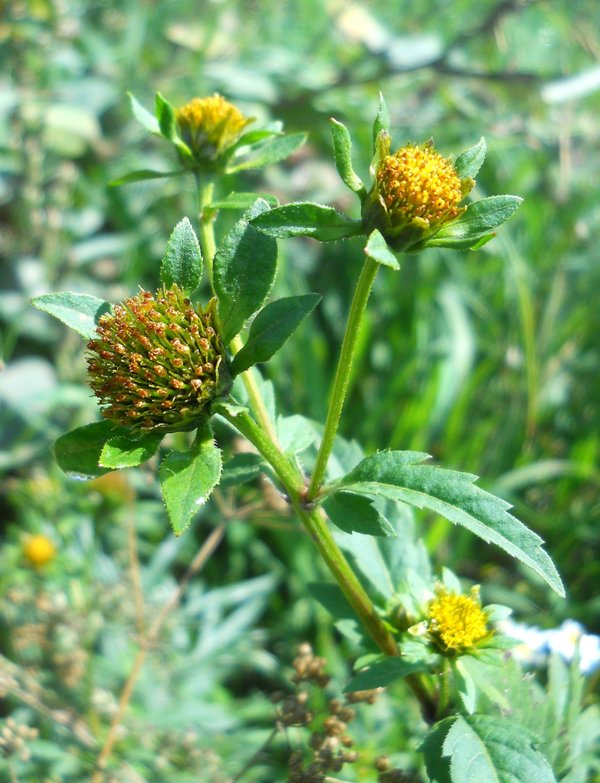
<point>314,521</point>
<point>342,375</point>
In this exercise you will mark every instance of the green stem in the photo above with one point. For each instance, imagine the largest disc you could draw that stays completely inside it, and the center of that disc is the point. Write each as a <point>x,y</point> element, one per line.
<point>209,248</point>
<point>342,375</point>
<point>314,522</point>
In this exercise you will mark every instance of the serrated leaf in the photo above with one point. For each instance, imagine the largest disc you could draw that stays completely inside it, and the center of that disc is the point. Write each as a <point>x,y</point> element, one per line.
<point>382,120</point>
<point>272,327</point>
<point>480,217</point>
<point>332,599</point>
<point>490,749</point>
<point>78,452</point>
<point>81,312</point>
<point>398,476</point>
<point>243,271</point>
<point>377,249</point>
<point>470,161</point>
<point>182,262</point>
<point>307,219</point>
<point>143,116</point>
<point>125,452</point>
<point>144,174</point>
<point>165,115</point>
<point>242,201</point>
<point>342,150</point>
<point>188,477</point>
<point>356,514</point>
<point>382,673</point>
<point>272,151</point>
<point>465,685</point>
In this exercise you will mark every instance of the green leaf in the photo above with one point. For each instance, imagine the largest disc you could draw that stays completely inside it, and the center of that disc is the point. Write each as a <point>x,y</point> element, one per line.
<point>78,452</point>
<point>356,514</point>
<point>254,137</point>
<point>241,469</point>
<point>143,116</point>
<point>342,150</point>
<point>79,311</point>
<point>470,161</point>
<point>307,219</point>
<point>243,272</point>
<point>188,477</point>
<point>143,174</point>
<point>272,151</point>
<point>382,673</point>
<point>479,218</point>
<point>471,243</point>
<point>332,599</point>
<point>377,249</point>
<point>272,327</point>
<point>398,476</point>
<point>125,452</point>
<point>486,749</point>
<point>243,201</point>
<point>382,120</point>
<point>182,262</point>
<point>165,115</point>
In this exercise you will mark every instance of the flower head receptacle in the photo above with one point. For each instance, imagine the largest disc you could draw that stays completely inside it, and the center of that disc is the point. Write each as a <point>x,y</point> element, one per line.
<point>157,362</point>
<point>457,623</point>
<point>210,126</point>
<point>415,192</point>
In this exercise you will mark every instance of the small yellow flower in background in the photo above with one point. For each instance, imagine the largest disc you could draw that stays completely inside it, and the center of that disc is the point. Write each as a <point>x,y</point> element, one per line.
<point>209,126</point>
<point>158,362</point>
<point>38,550</point>
<point>415,192</point>
<point>457,622</point>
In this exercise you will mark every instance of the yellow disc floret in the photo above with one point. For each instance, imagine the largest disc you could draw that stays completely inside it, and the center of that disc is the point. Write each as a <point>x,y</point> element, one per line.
<point>457,622</point>
<point>417,182</point>
<point>38,550</point>
<point>210,125</point>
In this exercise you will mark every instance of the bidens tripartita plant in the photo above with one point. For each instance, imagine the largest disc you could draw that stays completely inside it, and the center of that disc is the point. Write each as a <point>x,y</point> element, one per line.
<point>168,362</point>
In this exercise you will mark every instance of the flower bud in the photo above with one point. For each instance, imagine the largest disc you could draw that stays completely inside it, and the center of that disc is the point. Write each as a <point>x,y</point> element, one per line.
<point>158,362</point>
<point>415,192</point>
<point>209,126</point>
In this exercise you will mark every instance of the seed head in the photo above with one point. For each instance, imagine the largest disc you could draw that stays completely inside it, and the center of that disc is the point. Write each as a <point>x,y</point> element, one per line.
<point>415,192</point>
<point>209,126</point>
<point>158,362</point>
<point>457,622</point>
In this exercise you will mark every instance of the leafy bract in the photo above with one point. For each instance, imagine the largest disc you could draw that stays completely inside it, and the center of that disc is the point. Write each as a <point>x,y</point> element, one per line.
<point>272,327</point>
<point>78,452</point>
<point>486,749</point>
<point>479,218</point>
<point>342,150</point>
<point>399,476</point>
<point>377,249</point>
<point>124,452</point>
<point>382,120</point>
<point>383,672</point>
<point>243,272</point>
<point>273,150</point>
<point>188,477</point>
<point>354,513</point>
<point>79,311</point>
<point>470,161</point>
<point>307,219</point>
<point>143,116</point>
<point>182,262</point>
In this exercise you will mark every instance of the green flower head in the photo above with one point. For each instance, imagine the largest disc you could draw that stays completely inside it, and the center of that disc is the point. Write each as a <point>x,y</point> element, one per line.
<point>157,362</point>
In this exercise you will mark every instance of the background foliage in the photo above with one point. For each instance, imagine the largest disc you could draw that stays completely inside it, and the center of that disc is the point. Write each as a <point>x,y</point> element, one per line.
<point>489,361</point>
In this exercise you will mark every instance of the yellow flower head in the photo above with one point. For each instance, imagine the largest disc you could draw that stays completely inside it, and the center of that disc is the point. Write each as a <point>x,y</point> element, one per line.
<point>38,550</point>
<point>415,192</point>
<point>210,125</point>
<point>158,362</point>
<point>457,622</point>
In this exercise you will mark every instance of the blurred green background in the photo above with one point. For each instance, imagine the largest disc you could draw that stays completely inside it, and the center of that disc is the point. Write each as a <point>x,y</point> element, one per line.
<point>489,360</point>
